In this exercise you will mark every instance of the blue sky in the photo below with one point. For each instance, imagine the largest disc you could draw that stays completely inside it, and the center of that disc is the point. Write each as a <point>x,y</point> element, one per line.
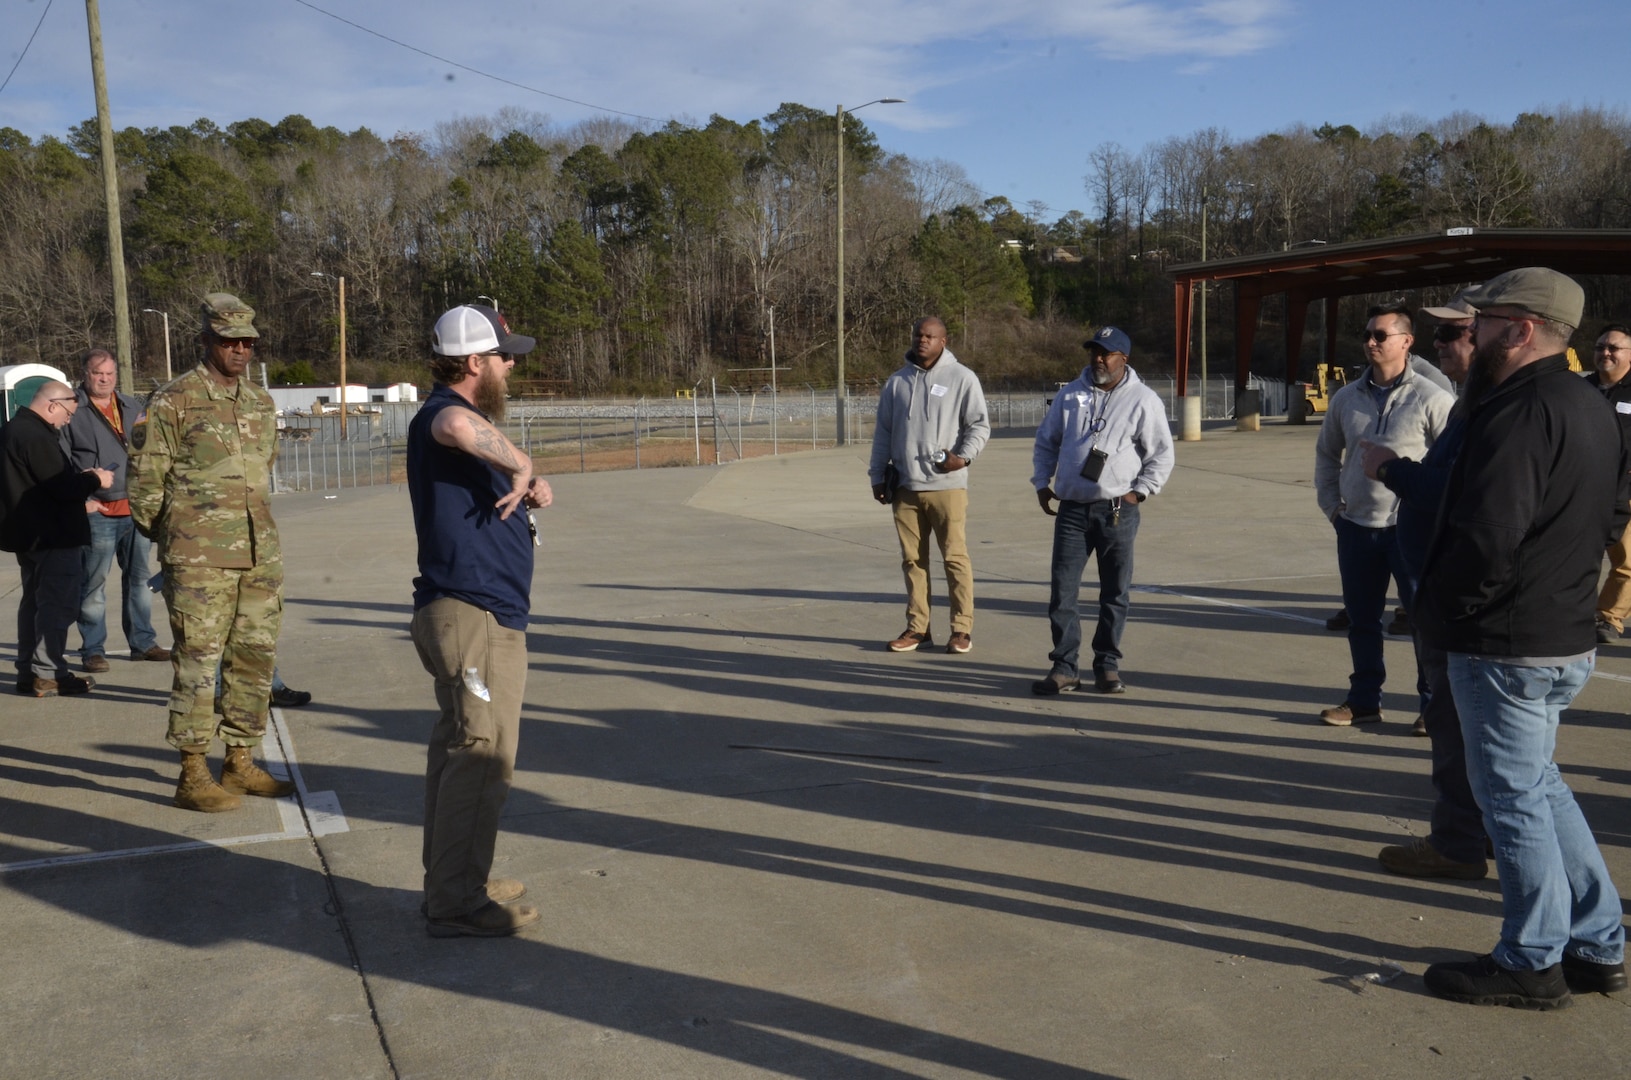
<point>1018,92</point>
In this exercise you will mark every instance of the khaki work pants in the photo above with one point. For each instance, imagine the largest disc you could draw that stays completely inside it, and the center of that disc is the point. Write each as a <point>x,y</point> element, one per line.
<point>227,619</point>
<point>1614,601</point>
<point>480,669</point>
<point>942,514</point>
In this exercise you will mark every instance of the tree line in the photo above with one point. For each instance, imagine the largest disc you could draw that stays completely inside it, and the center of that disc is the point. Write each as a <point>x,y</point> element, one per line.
<point>648,259</point>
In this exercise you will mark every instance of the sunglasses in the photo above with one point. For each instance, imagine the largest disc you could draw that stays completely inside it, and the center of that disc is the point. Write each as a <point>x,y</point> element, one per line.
<point>1446,334</point>
<point>235,343</point>
<point>1379,336</point>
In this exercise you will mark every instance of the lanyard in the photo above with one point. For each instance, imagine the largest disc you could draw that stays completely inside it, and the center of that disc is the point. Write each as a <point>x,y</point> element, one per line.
<point>1095,421</point>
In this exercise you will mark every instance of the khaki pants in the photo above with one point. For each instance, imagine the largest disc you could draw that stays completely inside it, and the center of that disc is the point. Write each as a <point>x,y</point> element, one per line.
<point>472,747</point>
<point>227,620</point>
<point>1614,602</point>
<point>918,514</point>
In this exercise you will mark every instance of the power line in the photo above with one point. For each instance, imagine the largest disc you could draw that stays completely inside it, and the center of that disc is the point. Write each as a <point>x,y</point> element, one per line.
<point>31,37</point>
<point>466,67</point>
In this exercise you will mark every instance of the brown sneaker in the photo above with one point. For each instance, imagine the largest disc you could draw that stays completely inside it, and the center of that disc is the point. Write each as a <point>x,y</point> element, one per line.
<point>1344,716</point>
<point>68,684</point>
<point>489,920</point>
<point>500,890</point>
<point>156,653</point>
<point>97,663</point>
<point>960,643</point>
<point>910,640</point>
<point>1421,860</point>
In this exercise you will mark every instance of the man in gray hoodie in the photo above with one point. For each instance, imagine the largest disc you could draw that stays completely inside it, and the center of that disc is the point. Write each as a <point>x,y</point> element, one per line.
<point>932,423</point>
<point>1395,408</point>
<point>1103,448</point>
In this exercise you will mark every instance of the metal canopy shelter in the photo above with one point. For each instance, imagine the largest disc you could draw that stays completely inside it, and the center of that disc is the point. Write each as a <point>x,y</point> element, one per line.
<point>1330,271</point>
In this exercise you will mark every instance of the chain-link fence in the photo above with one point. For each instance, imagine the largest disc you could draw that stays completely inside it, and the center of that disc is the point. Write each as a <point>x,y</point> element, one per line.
<point>713,427</point>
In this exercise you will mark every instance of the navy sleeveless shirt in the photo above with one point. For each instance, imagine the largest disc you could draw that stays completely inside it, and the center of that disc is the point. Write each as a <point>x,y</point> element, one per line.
<point>465,551</point>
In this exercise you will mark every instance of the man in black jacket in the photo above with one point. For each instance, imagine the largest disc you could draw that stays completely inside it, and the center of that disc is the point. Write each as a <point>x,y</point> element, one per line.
<point>42,520</point>
<point>1509,594</point>
<point>1611,360</point>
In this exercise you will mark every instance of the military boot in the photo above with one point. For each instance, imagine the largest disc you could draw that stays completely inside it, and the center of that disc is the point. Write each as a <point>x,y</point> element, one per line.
<point>197,789</point>
<point>242,775</point>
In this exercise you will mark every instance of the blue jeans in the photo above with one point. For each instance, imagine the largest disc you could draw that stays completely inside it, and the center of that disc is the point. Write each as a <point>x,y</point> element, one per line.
<point>1367,558</point>
<point>115,539</point>
<point>1079,529</point>
<point>1457,830</point>
<point>1555,890</point>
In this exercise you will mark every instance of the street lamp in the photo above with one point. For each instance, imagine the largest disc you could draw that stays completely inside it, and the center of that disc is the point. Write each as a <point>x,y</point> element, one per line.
<point>491,302</point>
<point>341,280</point>
<point>842,428</point>
<point>165,315</point>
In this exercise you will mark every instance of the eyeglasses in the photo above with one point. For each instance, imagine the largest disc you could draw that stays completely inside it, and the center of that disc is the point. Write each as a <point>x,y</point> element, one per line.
<point>1612,350</point>
<point>61,400</point>
<point>1446,334</point>
<point>1379,336</point>
<point>235,343</point>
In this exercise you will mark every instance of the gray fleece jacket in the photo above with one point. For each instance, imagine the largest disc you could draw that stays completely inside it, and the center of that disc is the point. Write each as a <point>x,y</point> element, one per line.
<point>93,444</point>
<point>1408,421</point>
<point>919,412</point>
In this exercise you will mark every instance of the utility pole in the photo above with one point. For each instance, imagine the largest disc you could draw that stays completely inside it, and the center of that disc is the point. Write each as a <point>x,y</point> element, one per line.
<point>110,190</point>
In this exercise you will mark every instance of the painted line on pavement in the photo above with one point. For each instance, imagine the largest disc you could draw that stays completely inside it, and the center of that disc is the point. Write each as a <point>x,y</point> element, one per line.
<point>322,810</point>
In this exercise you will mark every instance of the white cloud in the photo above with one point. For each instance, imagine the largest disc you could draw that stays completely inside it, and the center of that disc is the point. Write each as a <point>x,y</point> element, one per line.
<point>659,58</point>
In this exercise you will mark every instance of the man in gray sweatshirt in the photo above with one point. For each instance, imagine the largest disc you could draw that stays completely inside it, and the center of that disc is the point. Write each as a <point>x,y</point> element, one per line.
<point>1103,448</point>
<point>1391,407</point>
<point>932,423</point>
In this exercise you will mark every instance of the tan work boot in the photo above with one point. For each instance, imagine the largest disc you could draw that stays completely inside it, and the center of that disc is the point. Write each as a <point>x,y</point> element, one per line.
<point>197,789</point>
<point>242,775</point>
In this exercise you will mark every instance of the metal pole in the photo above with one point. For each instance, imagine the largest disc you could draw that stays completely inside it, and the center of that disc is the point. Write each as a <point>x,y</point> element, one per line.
<point>1203,304</point>
<point>344,434</point>
<point>636,434</point>
<point>775,399</point>
<point>696,424</point>
<point>840,328</point>
<point>583,465</point>
<point>110,193</point>
<point>713,394</point>
<point>813,445</point>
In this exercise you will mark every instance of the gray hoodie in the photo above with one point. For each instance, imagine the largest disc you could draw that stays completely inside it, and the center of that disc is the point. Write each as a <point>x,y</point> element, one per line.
<point>919,412</point>
<point>1408,422</point>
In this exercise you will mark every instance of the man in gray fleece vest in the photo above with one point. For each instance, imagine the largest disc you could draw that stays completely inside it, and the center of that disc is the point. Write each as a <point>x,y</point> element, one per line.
<point>932,423</point>
<point>1391,407</point>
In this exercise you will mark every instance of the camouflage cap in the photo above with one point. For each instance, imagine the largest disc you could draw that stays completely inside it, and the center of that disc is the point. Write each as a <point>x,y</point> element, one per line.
<point>226,316</point>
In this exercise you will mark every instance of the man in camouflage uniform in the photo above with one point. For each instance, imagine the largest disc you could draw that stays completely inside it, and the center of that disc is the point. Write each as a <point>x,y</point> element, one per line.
<point>200,465</point>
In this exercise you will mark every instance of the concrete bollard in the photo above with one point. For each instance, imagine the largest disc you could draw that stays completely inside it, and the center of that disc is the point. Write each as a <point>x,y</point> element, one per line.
<point>1191,420</point>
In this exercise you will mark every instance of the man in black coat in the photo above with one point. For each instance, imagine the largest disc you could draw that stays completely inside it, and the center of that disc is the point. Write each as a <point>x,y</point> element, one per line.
<point>42,520</point>
<point>1509,593</point>
<point>1611,361</point>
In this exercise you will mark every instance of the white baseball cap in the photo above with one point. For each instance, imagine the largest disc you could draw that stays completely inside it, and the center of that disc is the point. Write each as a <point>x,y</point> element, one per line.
<point>470,329</point>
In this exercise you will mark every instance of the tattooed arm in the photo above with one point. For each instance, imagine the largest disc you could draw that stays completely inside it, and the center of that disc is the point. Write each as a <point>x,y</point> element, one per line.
<point>467,431</point>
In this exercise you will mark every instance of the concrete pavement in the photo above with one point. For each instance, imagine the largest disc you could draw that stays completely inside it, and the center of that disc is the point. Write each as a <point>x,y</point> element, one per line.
<point>764,846</point>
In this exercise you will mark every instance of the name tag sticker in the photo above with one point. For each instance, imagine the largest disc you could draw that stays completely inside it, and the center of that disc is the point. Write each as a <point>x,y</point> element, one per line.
<point>937,391</point>
<point>1622,406</point>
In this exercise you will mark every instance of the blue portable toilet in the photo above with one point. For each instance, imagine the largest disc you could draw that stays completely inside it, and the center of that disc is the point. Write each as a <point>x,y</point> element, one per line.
<point>20,382</point>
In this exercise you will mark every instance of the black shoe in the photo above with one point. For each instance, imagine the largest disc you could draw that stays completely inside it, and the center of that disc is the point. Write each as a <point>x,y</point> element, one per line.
<point>1108,682</point>
<point>1606,632</point>
<point>1055,683</point>
<point>1400,626</point>
<point>1484,982</point>
<point>1589,977</point>
<point>288,697</point>
<point>1339,621</point>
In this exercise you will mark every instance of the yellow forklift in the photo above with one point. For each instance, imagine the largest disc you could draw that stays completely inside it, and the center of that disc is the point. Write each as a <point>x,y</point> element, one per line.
<point>1309,398</point>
